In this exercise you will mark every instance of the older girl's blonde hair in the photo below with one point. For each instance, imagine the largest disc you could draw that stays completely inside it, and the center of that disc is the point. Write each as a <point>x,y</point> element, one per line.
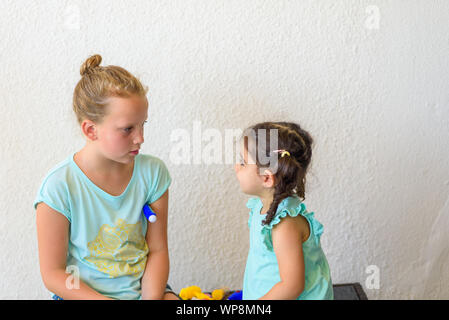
<point>99,83</point>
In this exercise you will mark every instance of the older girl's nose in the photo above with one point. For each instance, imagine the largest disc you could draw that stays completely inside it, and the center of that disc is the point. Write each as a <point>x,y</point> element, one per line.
<point>138,139</point>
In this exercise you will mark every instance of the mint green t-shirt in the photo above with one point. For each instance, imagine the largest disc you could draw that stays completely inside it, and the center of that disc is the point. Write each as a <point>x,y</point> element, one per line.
<point>262,270</point>
<point>107,246</point>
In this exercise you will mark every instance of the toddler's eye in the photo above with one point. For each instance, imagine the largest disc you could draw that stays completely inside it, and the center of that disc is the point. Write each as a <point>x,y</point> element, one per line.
<point>128,129</point>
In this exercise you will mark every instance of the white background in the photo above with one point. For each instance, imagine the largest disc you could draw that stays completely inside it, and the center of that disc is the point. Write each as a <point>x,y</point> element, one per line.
<point>368,79</point>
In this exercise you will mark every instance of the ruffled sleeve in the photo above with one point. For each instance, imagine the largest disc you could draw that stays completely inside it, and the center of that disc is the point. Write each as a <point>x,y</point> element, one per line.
<point>315,226</point>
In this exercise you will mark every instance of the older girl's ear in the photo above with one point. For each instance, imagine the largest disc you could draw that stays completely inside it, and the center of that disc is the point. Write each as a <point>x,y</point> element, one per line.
<point>89,129</point>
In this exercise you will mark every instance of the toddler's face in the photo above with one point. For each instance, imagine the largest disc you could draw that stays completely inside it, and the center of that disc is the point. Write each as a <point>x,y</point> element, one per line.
<point>120,134</point>
<point>247,174</point>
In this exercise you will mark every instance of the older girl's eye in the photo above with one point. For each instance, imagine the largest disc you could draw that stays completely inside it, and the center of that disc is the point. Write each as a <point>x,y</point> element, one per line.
<point>128,129</point>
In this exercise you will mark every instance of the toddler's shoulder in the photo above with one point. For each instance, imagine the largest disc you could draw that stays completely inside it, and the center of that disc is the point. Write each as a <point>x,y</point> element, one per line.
<point>298,223</point>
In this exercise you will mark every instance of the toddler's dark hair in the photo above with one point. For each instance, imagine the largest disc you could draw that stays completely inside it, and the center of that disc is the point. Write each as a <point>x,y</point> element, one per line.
<point>290,176</point>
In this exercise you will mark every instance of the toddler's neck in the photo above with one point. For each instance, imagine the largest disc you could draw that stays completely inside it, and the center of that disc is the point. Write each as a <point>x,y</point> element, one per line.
<point>267,199</point>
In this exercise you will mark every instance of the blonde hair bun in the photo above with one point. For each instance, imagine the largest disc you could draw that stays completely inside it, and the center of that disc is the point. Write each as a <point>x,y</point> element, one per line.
<point>91,63</point>
<point>98,83</point>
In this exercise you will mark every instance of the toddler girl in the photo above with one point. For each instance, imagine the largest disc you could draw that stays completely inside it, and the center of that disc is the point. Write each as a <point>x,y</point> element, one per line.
<point>94,241</point>
<point>285,259</point>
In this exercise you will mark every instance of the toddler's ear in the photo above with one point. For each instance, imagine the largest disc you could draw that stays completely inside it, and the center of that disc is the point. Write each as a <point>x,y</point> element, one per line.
<point>268,179</point>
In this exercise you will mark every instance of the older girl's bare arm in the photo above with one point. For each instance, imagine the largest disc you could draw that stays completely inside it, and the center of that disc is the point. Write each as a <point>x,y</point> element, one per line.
<point>53,236</point>
<point>156,271</point>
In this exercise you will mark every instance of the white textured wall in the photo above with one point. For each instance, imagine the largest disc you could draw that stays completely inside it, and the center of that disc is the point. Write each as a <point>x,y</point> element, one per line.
<point>368,79</point>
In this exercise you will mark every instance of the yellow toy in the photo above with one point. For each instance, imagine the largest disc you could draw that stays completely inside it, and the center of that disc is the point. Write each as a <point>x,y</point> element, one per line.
<point>195,293</point>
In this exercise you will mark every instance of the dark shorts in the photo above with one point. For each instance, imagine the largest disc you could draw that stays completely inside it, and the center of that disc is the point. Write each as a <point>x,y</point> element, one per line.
<point>168,289</point>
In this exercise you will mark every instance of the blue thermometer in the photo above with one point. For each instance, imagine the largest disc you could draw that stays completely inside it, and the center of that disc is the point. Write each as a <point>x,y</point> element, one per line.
<point>149,214</point>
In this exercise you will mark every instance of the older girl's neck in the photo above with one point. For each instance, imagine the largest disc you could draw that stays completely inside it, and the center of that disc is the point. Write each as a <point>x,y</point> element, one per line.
<point>92,161</point>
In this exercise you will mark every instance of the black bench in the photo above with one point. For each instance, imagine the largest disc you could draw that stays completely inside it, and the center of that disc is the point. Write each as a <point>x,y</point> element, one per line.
<point>349,291</point>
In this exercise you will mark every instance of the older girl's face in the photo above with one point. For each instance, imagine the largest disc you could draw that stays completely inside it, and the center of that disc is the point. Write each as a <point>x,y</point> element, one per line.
<point>120,134</point>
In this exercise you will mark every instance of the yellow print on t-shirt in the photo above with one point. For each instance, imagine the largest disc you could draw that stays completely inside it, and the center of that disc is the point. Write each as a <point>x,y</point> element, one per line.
<point>119,250</point>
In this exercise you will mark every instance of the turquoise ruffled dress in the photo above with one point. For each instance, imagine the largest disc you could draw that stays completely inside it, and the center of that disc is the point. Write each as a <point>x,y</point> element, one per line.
<point>262,270</point>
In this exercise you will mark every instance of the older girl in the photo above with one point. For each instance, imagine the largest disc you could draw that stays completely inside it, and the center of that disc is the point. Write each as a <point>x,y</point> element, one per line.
<point>89,207</point>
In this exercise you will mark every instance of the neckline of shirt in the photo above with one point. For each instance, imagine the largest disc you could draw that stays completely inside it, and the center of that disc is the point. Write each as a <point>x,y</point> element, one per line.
<point>104,193</point>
